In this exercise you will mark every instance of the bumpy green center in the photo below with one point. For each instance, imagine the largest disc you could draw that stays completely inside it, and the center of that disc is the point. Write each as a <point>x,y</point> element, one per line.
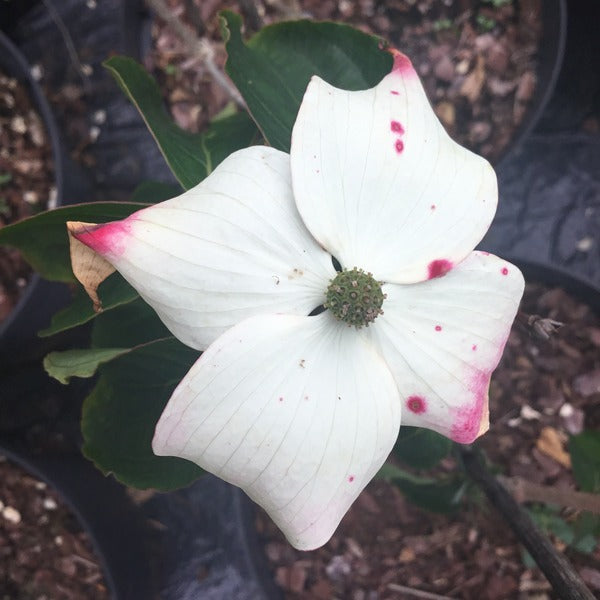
<point>355,297</point>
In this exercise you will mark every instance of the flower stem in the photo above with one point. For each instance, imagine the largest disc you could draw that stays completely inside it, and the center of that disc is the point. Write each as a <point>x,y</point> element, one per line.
<point>558,570</point>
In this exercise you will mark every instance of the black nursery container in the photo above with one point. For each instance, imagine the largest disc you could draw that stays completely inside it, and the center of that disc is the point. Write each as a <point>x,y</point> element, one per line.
<point>41,299</point>
<point>116,529</point>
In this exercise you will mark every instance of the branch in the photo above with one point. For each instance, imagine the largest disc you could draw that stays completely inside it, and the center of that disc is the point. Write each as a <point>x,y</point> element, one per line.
<point>564,579</point>
<point>527,491</point>
<point>198,48</point>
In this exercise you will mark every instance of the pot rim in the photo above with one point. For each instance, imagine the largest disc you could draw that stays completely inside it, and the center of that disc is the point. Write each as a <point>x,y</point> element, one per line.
<point>16,65</point>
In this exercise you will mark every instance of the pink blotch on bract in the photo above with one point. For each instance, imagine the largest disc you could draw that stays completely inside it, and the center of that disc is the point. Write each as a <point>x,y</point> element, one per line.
<point>107,238</point>
<point>438,327</point>
<point>433,207</point>
<point>396,127</point>
<point>439,267</point>
<point>469,419</point>
<point>402,64</point>
<point>504,271</point>
<point>416,404</point>
<point>399,146</point>
<point>351,478</point>
<point>395,92</point>
<point>474,347</point>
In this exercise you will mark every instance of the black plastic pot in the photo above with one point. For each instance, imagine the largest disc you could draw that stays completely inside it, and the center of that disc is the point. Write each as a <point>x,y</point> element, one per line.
<point>116,529</point>
<point>41,299</point>
<point>550,60</point>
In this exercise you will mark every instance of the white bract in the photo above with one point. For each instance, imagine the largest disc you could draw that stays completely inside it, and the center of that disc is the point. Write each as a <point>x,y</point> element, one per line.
<point>301,411</point>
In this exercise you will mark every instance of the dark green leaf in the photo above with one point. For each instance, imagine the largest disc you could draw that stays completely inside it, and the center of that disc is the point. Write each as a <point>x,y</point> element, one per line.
<point>120,414</point>
<point>437,495</point>
<point>79,363</point>
<point>585,458</point>
<point>273,69</point>
<point>152,192</point>
<point>191,157</point>
<point>113,292</point>
<point>421,448</point>
<point>127,326</point>
<point>43,238</point>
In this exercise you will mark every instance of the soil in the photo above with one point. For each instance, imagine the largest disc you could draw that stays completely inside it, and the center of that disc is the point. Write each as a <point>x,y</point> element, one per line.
<point>387,548</point>
<point>476,58</point>
<point>44,554</point>
<point>26,180</point>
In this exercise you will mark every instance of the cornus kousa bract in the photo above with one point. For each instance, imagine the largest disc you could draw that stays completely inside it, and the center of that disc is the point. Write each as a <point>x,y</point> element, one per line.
<point>302,409</point>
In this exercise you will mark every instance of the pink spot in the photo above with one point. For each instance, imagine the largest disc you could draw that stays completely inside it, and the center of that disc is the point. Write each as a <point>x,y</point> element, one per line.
<point>395,93</point>
<point>484,252</point>
<point>318,171</point>
<point>280,398</point>
<point>402,64</point>
<point>439,267</point>
<point>106,239</point>
<point>474,347</point>
<point>399,146</point>
<point>433,207</point>
<point>471,419</point>
<point>416,404</point>
<point>438,327</point>
<point>306,397</point>
<point>397,127</point>
<point>504,271</point>
<point>351,478</point>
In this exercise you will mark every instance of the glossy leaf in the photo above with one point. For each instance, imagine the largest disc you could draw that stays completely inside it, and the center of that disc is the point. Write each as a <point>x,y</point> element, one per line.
<point>120,414</point>
<point>421,448</point>
<point>151,192</point>
<point>585,458</point>
<point>43,238</point>
<point>190,156</point>
<point>113,292</point>
<point>78,363</point>
<point>128,325</point>
<point>274,67</point>
<point>437,495</point>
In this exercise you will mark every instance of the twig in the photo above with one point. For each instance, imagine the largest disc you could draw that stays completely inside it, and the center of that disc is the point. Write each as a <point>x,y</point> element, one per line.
<point>197,47</point>
<point>395,587</point>
<point>564,579</point>
<point>527,491</point>
<point>252,18</point>
<point>68,40</point>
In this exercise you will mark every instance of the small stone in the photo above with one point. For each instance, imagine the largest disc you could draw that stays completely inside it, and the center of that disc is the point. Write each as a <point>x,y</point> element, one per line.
<point>18,125</point>
<point>12,515</point>
<point>31,197</point>
<point>49,504</point>
<point>585,244</point>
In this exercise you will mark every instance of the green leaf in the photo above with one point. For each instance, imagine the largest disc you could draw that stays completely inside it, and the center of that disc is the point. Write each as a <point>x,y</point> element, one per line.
<point>273,69</point>
<point>43,238</point>
<point>437,495</point>
<point>120,415</point>
<point>78,363</point>
<point>191,157</point>
<point>113,292</point>
<point>421,448</point>
<point>128,325</point>
<point>152,192</point>
<point>585,459</point>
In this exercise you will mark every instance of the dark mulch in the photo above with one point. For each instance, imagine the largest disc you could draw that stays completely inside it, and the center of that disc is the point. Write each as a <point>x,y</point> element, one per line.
<point>44,554</point>
<point>477,58</point>
<point>541,393</point>
<point>26,180</point>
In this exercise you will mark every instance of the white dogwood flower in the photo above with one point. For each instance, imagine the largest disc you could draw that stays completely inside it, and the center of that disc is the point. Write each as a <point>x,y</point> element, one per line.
<point>302,409</point>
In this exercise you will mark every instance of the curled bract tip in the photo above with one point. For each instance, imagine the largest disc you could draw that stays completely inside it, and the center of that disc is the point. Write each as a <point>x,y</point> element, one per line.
<point>88,266</point>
